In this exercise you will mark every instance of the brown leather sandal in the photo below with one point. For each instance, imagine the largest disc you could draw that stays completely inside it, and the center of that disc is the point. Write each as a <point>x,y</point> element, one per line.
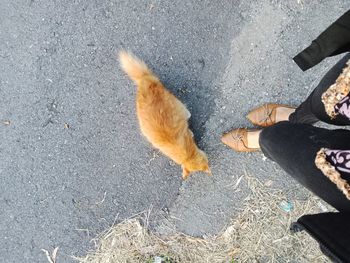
<point>265,115</point>
<point>237,140</point>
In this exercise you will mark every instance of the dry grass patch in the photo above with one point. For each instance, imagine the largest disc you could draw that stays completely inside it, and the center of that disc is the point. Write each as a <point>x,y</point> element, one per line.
<point>260,233</point>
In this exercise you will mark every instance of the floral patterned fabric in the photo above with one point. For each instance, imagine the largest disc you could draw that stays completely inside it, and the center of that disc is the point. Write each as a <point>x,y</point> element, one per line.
<point>335,164</point>
<point>343,107</point>
<point>340,159</point>
<point>337,92</point>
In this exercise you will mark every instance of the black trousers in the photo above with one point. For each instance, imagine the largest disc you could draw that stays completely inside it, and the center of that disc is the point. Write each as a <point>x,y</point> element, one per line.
<point>293,144</point>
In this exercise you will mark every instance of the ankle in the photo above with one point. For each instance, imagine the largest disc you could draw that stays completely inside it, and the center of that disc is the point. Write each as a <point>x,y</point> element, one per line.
<point>253,139</point>
<point>283,113</point>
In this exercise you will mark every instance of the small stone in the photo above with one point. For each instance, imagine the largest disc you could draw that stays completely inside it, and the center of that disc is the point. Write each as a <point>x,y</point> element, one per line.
<point>7,122</point>
<point>66,126</point>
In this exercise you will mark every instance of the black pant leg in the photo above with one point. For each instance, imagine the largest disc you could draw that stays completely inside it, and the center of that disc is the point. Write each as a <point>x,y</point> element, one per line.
<point>312,109</point>
<point>294,148</point>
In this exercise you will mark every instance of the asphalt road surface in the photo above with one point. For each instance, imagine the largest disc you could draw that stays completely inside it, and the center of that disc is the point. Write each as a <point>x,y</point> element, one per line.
<point>72,160</point>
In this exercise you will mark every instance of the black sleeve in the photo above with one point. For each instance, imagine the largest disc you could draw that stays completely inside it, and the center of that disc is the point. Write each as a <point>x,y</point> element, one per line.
<point>331,231</point>
<point>333,41</point>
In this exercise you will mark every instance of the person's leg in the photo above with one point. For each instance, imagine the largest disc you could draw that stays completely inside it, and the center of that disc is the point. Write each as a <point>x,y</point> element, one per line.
<point>312,109</point>
<point>294,148</point>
